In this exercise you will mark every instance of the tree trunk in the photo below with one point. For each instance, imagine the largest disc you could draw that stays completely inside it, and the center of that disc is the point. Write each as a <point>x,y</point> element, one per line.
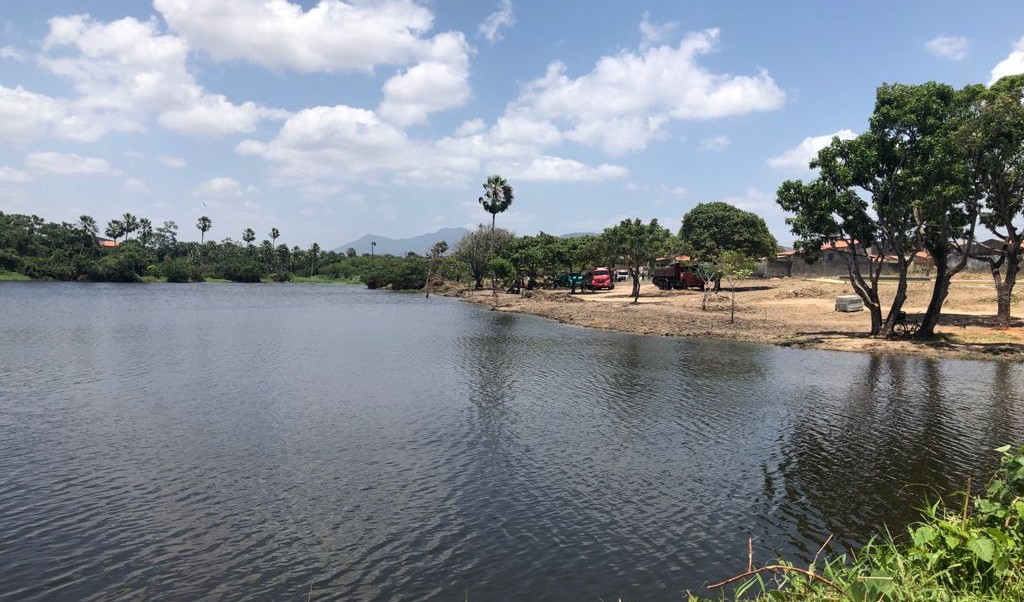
<point>939,293</point>
<point>899,299</point>
<point>732,298</point>
<point>1004,292</point>
<point>635,275</point>
<point>494,282</point>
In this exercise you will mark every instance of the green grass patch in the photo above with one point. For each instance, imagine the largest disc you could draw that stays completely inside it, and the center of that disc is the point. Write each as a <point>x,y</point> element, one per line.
<point>324,280</point>
<point>6,276</point>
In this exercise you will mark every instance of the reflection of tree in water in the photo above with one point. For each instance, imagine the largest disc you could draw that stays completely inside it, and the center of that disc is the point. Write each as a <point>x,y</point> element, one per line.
<point>488,362</point>
<point>874,453</point>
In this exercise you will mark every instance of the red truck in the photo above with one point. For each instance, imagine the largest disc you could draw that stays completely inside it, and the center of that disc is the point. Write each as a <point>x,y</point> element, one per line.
<point>600,278</point>
<point>677,275</point>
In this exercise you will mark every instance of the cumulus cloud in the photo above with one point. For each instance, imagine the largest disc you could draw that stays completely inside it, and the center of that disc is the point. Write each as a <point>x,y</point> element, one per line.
<point>332,36</point>
<point>1011,65</point>
<point>13,176</point>
<point>654,33</point>
<point>67,164</point>
<point>623,102</point>
<point>218,187</point>
<point>557,169</point>
<point>490,29</point>
<point>799,157</point>
<point>716,144</point>
<point>12,53</point>
<point>953,48</point>
<point>125,71</point>
<point>439,82</point>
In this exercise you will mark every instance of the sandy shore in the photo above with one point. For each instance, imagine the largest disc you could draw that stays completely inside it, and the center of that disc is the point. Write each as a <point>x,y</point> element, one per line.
<point>781,311</point>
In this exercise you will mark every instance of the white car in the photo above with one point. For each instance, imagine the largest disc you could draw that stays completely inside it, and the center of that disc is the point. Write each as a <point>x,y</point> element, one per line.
<point>621,275</point>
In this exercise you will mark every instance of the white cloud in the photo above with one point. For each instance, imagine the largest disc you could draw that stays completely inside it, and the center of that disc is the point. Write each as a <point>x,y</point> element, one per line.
<point>622,103</point>
<point>13,176</point>
<point>492,25</point>
<point>332,36</point>
<point>12,53</point>
<point>799,157</point>
<point>26,116</point>
<point>126,70</point>
<point>654,33</point>
<point>557,169</point>
<point>716,144</point>
<point>218,187</point>
<point>440,82</point>
<point>1011,65</point>
<point>169,161</point>
<point>753,200</point>
<point>953,48</point>
<point>67,164</point>
<point>135,185</point>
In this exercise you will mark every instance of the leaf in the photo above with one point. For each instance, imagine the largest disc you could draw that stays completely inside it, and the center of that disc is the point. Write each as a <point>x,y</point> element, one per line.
<point>952,541</point>
<point>1003,449</point>
<point>983,548</point>
<point>924,535</point>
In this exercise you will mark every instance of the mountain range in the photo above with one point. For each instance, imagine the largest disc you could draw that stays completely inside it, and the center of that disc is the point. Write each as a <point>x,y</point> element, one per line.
<point>400,246</point>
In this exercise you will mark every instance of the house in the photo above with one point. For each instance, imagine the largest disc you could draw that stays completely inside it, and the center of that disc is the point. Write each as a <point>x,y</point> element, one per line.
<point>106,243</point>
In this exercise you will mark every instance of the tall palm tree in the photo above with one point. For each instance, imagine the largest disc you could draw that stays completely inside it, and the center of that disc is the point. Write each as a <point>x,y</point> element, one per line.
<point>248,236</point>
<point>204,224</point>
<point>131,224</point>
<point>115,229</point>
<point>87,224</point>
<point>497,198</point>
<point>314,250</point>
<point>274,233</point>
<point>145,231</point>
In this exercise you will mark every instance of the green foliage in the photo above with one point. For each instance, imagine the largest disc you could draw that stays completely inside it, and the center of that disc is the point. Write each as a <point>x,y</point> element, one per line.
<point>633,243</point>
<point>710,228</point>
<point>974,551</point>
<point>126,263</point>
<point>502,269</point>
<point>398,273</point>
<point>175,270</point>
<point>239,269</point>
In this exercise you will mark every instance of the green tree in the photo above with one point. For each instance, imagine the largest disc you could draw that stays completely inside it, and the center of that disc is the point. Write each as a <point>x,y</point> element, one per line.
<point>350,252</point>
<point>710,228</point>
<point>131,224</point>
<point>635,244</point>
<point>497,199</point>
<point>993,140</point>
<point>436,251</point>
<point>474,249</point>
<point>248,236</point>
<point>115,229</point>
<point>203,224</point>
<point>733,265</point>
<point>145,232</point>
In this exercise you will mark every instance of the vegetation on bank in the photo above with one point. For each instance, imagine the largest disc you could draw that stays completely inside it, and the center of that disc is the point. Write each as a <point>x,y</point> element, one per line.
<point>972,551</point>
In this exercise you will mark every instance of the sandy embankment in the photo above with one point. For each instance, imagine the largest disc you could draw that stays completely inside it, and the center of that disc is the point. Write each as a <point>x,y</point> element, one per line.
<point>781,311</point>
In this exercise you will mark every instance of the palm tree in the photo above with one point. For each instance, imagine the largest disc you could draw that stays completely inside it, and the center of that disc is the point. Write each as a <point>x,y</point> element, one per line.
<point>274,233</point>
<point>115,229</point>
<point>204,224</point>
<point>145,231</point>
<point>89,229</point>
<point>131,224</point>
<point>497,198</point>
<point>248,236</point>
<point>313,252</point>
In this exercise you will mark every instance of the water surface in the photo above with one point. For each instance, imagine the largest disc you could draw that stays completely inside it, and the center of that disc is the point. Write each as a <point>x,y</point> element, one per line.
<point>237,442</point>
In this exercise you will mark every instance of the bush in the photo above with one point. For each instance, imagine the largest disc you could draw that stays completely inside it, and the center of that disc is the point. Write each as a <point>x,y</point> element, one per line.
<point>123,264</point>
<point>175,270</point>
<point>239,269</point>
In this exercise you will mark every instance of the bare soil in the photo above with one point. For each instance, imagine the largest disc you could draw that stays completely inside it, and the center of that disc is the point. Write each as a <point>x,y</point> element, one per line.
<point>782,311</point>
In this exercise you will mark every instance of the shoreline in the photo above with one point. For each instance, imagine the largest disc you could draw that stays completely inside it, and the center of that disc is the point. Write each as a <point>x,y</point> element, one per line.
<point>785,312</point>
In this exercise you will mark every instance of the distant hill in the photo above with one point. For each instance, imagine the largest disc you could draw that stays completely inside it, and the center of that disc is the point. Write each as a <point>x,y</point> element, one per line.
<point>400,246</point>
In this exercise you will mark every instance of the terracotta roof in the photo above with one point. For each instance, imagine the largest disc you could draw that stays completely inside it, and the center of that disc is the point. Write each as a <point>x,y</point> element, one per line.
<point>107,243</point>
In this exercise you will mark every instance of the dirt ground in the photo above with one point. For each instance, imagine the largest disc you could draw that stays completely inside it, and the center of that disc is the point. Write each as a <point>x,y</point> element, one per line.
<point>782,311</point>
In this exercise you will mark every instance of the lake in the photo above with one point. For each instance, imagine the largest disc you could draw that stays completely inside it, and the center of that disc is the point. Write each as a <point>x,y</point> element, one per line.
<point>285,442</point>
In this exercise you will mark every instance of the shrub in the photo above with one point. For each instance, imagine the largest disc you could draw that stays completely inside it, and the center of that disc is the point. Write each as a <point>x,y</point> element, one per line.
<point>175,270</point>
<point>239,269</point>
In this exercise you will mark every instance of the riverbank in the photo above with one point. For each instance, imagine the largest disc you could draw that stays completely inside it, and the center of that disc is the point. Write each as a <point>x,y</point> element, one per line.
<point>790,312</point>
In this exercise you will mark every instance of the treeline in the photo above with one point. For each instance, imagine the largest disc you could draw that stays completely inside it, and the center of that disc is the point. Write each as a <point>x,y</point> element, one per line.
<point>33,247</point>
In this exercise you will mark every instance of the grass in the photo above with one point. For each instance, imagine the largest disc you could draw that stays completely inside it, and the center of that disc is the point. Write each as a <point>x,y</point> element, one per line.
<point>973,551</point>
<point>324,280</point>
<point>6,276</point>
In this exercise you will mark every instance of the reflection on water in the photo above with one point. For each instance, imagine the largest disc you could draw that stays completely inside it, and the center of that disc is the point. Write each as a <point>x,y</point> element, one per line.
<point>240,442</point>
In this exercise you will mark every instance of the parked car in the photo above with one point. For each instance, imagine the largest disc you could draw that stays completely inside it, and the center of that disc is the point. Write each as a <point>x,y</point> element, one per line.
<point>567,279</point>
<point>621,275</point>
<point>601,279</point>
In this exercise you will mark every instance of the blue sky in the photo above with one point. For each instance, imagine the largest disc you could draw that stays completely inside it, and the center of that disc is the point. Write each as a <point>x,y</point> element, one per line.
<point>330,119</point>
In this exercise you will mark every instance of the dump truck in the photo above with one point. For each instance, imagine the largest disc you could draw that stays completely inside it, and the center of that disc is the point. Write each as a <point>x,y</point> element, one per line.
<point>678,275</point>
